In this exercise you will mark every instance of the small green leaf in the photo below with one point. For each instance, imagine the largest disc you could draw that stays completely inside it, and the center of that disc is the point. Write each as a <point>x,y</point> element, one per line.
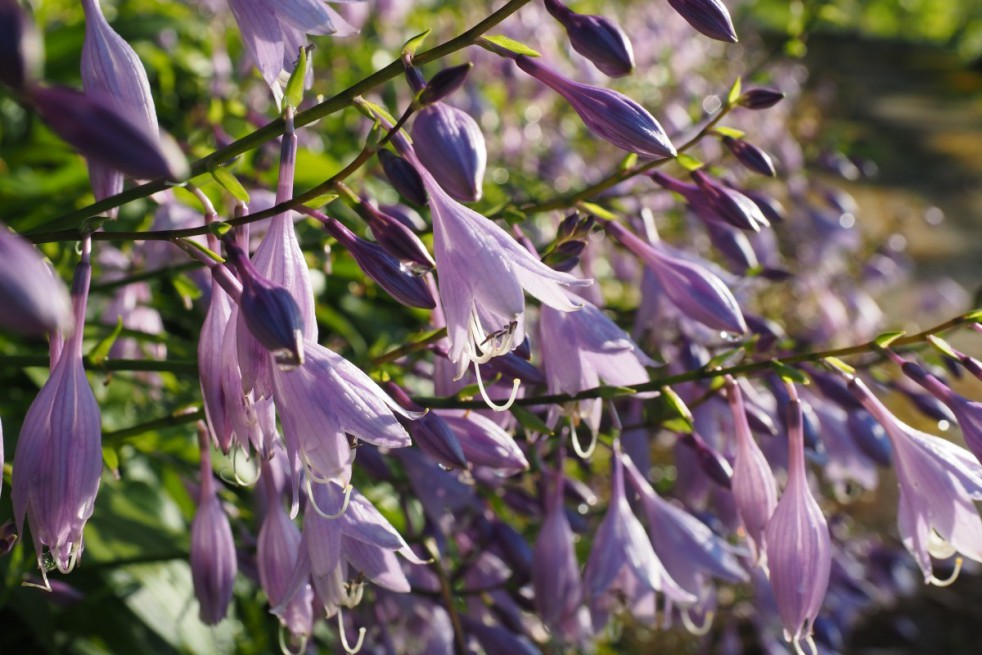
<point>788,373</point>
<point>101,350</point>
<point>688,162</point>
<point>512,45</point>
<point>677,405</point>
<point>729,131</point>
<point>374,111</point>
<point>413,44</point>
<point>229,182</point>
<point>612,391</point>
<point>677,425</point>
<point>974,316</point>
<point>628,162</point>
<point>293,95</point>
<point>735,91</point>
<point>942,346</point>
<point>219,228</point>
<point>111,458</point>
<point>530,421</point>
<point>321,200</point>
<point>185,286</point>
<point>597,211</point>
<point>727,357</point>
<point>835,362</point>
<point>884,340</point>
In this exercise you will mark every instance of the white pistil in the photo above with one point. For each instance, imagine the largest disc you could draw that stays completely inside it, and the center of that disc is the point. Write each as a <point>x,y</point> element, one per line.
<point>950,579</point>
<point>322,513</point>
<point>575,440</point>
<point>698,630</point>
<point>484,394</point>
<point>344,639</point>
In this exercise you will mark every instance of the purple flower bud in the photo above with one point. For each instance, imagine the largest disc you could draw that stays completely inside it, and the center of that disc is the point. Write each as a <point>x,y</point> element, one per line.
<point>760,98</point>
<point>752,157</point>
<point>712,463</point>
<point>59,451</point>
<point>496,640</point>
<point>709,17</point>
<point>731,205</point>
<point>772,210</point>
<point>610,115</point>
<point>734,245</point>
<point>798,546</point>
<point>102,132</point>
<point>430,432</point>
<point>967,413</point>
<point>598,39</point>
<point>398,239</point>
<point>20,46</point>
<point>451,146</point>
<point>444,83</point>
<point>213,560</point>
<point>270,311</point>
<point>754,488</point>
<point>870,437</point>
<point>484,442</point>
<point>34,300</point>
<point>403,177</point>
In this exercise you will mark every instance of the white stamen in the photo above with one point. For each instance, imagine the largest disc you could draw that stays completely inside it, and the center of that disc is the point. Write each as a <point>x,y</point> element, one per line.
<point>285,649</point>
<point>322,513</point>
<point>344,639</point>
<point>484,394</point>
<point>947,582</point>
<point>575,440</point>
<point>698,630</point>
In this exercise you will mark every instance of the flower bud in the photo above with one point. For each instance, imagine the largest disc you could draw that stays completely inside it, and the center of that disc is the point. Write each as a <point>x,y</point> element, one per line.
<point>610,115</point>
<point>270,311</point>
<point>430,432</point>
<point>760,98</point>
<point>598,39</point>
<point>213,560</point>
<point>398,239</point>
<point>709,17</point>
<point>451,146</point>
<point>752,157</point>
<point>712,463</point>
<point>34,301</point>
<point>403,177</point>
<point>20,47</point>
<point>731,205</point>
<point>444,83</point>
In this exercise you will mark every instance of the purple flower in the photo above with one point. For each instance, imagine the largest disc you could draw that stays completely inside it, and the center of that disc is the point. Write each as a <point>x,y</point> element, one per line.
<point>582,348</point>
<point>798,547</point>
<point>20,46</point>
<point>451,146</point>
<point>753,484</point>
<point>213,560</point>
<point>610,115</point>
<point>938,483</point>
<point>324,400</point>
<point>709,17</point>
<point>598,39</point>
<point>483,442</point>
<point>398,239</point>
<point>34,300</point>
<point>59,450</point>
<point>729,204</point>
<point>752,157</point>
<point>112,70</point>
<point>696,291</point>
<point>403,177</point>
<point>760,98</point>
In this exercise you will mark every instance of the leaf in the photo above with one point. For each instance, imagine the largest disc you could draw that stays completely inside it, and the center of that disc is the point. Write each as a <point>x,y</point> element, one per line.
<point>974,316</point>
<point>884,340</point>
<point>598,211</point>
<point>230,183</point>
<point>610,391</point>
<point>111,457</point>
<point>789,374</point>
<point>101,350</point>
<point>321,200</point>
<point>942,346</point>
<point>293,95</point>
<point>185,286</point>
<point>413,44</point>
<point>735,91</point>
<point>628,162</point>
<point>840,365</point>
<point>729,131</point>
<point>219,228</point>
<point>511,45</point>
<point>688,162</point>
<point>530,421</point>
<point>372,110</point>
<point>676,405</point>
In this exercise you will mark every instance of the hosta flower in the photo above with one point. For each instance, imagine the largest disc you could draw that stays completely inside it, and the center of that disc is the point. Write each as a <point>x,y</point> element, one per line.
<point>708,16</point>
<point>451,146</point>
<point>798,546</point>
<point>597,38</point>
<point>59,450</point>
<point>34,300</point>
<point>939,483</point>
<point>483,442</point>
<point>20,46</point>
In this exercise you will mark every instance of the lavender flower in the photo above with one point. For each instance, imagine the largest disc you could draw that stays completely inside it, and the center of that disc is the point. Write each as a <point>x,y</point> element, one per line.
<point>732,206</point>
<point>398,239</point>
<point>709,17</point>
<point>752,157</point>
<point>610,115</point>
<point>938,483</point>
<point>59,451</point>
<point>798,546</point>
<point>451,146</point>
<point>34,300</point>
<point>403,177</point>
<point>598,39</point>
<point>484,443</point>
<point>20,47</point>
<point>760,98</point>
<point>213,560</point>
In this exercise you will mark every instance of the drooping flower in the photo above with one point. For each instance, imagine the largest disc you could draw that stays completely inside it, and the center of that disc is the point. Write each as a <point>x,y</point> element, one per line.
<point>34,300</point>
<point>798,546</point>
<point>597,38</point>
<point>59,450</point>
<point>938,483</point>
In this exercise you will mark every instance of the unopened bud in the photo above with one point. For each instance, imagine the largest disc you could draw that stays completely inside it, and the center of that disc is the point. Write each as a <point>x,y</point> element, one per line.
<point>403,177</point>
<point>451,146</point>
<point>598,39</point>
<point>444,83</point>
<point>709,17</point>
<point>20,46</point>
<point>760,98</point>
<point>752,157</point>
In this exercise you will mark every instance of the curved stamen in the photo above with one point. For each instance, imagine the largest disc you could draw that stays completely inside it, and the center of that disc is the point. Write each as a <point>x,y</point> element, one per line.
<point>812,648</point>
<point>484,394</point>
<point>285,648</point>
<point>322,513</point>
<point>575,440</point>
<point>235,471</point>
<point>698,630</point>
<point>950,579</point>
<point>344,639</point>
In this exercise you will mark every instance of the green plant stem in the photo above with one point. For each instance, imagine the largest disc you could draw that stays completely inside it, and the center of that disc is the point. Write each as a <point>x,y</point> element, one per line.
<point>69,226</point>
<point>171,365</point>
<point>117,436</point>
<point>446,593</point>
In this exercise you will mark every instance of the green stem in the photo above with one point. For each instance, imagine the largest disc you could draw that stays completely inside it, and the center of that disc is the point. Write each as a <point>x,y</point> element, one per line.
<point>171,365</point>
<point>117,436</point>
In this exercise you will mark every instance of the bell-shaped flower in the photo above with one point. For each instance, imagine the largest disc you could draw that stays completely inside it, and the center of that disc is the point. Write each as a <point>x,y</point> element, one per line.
<point>939,482</point>
<point>34,300</point>
<point>59,450</point>
<point>622,558</point>
<point>213,559</point>
<point>451,146</point>
<point>483,442</point>
<point>798,546</point>
<point>584,348</point>
<point>610,115</point>
<point>111,69</point>
<point>483,272</point>
<point>597,38</point>
<point>709,17</point>
<point>324,400</point>
<point>697,292</point>
<point>753,484</point>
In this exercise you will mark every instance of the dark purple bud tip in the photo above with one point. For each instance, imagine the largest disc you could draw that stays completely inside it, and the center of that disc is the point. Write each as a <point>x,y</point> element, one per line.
<point>732,206</point>
<point>449,143</point>
<point>598,39</point>
<point>270,312</point>
<point>711,462</point>
<point>752,157</point>
<point>403,177</point>
<point>20,46</point>
<point>760,98</point>
<point>444,83</point>
<point>398,240</point>
<point>709,17</point>
<point>101,132</point>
